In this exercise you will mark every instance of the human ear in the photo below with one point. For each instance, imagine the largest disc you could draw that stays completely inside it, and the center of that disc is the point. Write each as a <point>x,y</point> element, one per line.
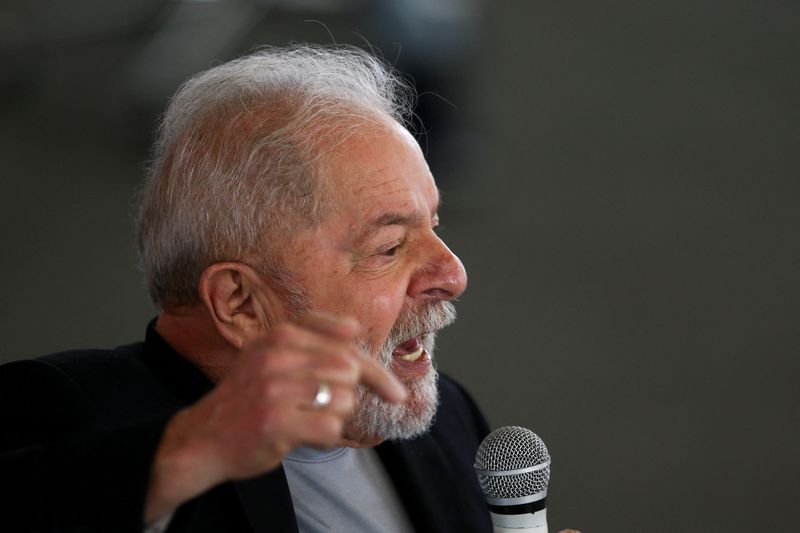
<point>237,300</point>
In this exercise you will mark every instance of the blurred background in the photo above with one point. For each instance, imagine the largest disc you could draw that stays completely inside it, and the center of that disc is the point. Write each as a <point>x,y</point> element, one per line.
<point>621,179</point>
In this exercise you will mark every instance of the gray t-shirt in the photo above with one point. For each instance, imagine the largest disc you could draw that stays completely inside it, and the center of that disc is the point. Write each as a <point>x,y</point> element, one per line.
<point>343,490</point>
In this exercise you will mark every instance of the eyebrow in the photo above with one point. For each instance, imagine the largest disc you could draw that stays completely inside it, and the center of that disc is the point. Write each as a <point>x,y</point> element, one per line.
<point>393,219</point>
<point>397,219</point>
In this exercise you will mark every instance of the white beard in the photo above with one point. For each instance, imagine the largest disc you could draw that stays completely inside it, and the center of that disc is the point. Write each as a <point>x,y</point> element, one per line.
<point>373,417</point>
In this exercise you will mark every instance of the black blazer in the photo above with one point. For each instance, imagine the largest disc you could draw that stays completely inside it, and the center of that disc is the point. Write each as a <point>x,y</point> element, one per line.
<point>78,431</point>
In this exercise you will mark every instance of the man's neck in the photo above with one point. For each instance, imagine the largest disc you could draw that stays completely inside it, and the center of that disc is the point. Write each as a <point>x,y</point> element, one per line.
<point>191,332</point>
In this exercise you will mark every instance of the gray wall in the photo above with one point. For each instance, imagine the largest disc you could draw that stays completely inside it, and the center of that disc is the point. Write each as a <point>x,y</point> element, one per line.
<point>624,197</point>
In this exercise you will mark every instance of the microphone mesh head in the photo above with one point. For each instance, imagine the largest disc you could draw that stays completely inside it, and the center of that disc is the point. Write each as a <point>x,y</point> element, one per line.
<point>512,448</point>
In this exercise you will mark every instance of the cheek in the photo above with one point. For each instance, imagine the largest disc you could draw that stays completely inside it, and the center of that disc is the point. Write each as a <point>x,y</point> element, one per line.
<point>375,303</point>
<point>378,316</point>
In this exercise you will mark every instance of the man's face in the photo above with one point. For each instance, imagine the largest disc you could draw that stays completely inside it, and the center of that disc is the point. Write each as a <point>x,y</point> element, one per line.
<point>377,258</point>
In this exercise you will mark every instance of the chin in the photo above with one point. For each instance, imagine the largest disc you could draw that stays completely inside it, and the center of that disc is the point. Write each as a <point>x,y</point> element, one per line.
<point>408,352</point>
<point>375,420</point>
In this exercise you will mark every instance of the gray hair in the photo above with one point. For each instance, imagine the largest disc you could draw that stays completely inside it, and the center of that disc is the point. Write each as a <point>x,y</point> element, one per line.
<point>239,158</point>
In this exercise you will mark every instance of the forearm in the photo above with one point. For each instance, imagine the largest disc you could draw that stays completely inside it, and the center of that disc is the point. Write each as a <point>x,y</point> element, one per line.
<point>181,470</point>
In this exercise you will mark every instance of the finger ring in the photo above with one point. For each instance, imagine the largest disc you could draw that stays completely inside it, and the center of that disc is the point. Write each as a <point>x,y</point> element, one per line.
<point>323,396</point>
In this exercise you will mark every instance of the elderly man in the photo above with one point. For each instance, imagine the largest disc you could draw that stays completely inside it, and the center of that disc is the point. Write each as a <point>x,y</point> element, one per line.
<point>288,231</point>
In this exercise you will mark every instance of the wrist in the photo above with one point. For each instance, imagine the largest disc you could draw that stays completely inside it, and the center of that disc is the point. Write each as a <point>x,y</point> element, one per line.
<point>181,470</point>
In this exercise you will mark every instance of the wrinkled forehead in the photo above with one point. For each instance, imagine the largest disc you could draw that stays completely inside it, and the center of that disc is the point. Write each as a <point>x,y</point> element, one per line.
<point>377,159</point>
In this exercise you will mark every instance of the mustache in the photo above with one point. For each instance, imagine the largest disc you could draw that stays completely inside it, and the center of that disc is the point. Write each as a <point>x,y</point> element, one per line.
<point>418,322</point>
<point>429,319</point>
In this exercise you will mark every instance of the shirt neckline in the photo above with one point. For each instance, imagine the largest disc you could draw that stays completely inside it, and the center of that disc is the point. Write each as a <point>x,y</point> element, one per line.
<point>306,454</point>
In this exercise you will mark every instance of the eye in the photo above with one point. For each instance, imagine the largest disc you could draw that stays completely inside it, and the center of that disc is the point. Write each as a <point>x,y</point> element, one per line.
<point>389,252</point>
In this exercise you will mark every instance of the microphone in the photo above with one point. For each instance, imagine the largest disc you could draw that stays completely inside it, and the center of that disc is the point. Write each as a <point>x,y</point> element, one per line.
<point>513,469</point>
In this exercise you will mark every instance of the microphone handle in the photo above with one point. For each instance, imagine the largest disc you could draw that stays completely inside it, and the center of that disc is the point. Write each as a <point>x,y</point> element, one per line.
<point>520,523</point>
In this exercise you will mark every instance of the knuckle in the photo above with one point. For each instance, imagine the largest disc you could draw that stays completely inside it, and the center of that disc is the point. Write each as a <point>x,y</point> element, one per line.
<point>283,332</point>
<point>326,428</point>
<point>333,426</point>
<point>277,359</point>
<point>347,400</point>
<point>344,362</point>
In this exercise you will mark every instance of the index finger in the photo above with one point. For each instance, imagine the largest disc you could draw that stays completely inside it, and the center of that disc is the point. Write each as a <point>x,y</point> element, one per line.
<point>344,328</point>
<point>381,380</point>
<point>372,374</point>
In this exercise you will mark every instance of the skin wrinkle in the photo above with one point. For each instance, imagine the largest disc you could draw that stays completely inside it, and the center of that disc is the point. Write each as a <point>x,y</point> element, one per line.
<point>393,219</point>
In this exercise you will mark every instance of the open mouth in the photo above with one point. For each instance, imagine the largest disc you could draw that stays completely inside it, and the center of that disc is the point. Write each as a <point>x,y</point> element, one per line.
<point>410,350</point>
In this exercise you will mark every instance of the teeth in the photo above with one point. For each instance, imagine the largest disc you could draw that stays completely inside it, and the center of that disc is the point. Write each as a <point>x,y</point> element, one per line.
<point>413,356</point>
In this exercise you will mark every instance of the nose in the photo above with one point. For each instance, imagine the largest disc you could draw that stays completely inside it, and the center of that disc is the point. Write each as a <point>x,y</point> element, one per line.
<point>441,275</point>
